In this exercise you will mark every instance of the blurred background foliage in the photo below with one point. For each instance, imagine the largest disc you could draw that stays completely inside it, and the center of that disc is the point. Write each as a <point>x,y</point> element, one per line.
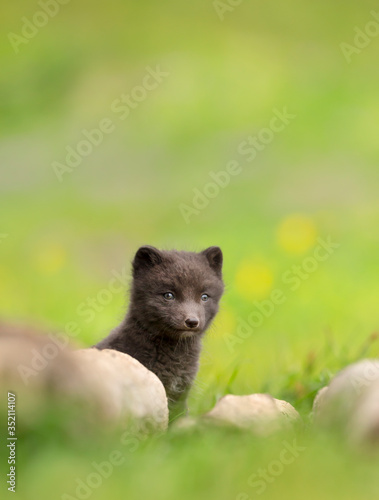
<point>317,178</point>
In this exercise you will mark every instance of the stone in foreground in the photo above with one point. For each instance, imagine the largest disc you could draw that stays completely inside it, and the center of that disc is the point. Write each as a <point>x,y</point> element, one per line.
<point>260,413</point>
<point>125,387</point>
<point>86,388</point>
<point>351,402</point>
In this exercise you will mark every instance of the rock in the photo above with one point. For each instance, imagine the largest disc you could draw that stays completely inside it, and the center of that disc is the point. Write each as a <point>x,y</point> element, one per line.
<point>336,402</point>
<point>319,400</point>
<point>186,423</point>
<point>29,360</point>
<point>260,413</point>
<point>40,371</point>
<point>288,412</point>
<point>95,387</point>
<point>351,402</point>
<point>124,386</point>
<point>363,426</point>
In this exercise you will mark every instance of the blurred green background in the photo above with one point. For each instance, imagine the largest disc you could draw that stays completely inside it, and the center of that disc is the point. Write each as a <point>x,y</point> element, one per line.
<point>317,178</point>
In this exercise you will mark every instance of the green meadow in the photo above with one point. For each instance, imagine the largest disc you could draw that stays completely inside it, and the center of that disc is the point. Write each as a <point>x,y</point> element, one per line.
<point>186,125</point>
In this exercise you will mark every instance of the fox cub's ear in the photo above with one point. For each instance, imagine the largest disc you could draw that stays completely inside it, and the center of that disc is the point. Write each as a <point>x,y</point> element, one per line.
<point>147,257</point>
<point>214,257</point>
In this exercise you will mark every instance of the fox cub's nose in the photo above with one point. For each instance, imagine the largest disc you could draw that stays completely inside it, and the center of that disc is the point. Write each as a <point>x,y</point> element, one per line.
<point>192,322</point>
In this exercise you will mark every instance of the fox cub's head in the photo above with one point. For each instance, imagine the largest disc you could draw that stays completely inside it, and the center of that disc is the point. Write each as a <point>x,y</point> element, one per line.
<point>176,293</point>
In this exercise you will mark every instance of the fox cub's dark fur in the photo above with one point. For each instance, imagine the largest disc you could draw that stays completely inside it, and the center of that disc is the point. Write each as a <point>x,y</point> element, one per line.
<point>174,298</point>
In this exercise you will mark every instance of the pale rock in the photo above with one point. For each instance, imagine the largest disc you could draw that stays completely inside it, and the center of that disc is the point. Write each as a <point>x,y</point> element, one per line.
<point>38,371</point>
<point>104,387</point>
<point>363,427</point>
<point>126,388</point>
<point>335,403</point>
<point>319,400</point>
<point>186,423</point>
<point>351,403</point>
<point>260,413</point>
<point>288,412</point>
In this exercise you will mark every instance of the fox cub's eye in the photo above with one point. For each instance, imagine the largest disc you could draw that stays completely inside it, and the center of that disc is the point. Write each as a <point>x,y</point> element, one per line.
<point>204,297</point>
<point>168,296</point>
